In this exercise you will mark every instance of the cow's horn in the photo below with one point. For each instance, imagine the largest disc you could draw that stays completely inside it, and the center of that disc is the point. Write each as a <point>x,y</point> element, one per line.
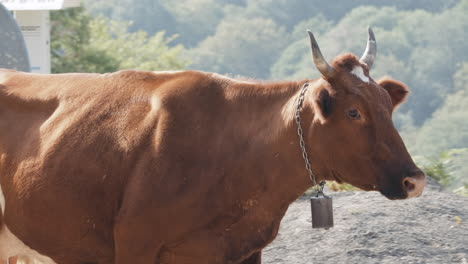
<point>371,50</point>
<point>324,68</point>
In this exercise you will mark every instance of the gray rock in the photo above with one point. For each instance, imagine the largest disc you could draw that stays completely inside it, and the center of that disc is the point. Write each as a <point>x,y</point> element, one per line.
<point>371,229</point>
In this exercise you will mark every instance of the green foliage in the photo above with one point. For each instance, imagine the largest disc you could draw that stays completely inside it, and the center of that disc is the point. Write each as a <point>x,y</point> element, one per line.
<point>237,45</point>
<point>420,48</point>
<point>436,167</point>
<point>147,15</point>
<point>448,127</point>
<point>135,49</point>
<point>70,38</point>
<point>287,66</point>
<point>460,78</point>
<point>341,187</point>
<point>448,168</point>
<point>463,190</point>
<point>195,28</point>
<point>81,43</point>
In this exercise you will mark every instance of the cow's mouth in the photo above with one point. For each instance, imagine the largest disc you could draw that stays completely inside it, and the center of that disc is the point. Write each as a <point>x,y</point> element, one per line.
<point>394,195</point>
<point>388,193</point>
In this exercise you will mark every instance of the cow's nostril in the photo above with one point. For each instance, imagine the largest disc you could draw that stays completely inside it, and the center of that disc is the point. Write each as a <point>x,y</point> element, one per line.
<point>408,184</point>
<point>414,184</point>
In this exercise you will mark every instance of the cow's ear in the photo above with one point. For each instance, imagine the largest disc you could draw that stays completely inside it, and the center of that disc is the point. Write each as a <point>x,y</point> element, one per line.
<point>322,103</point>
<point>397,90</point>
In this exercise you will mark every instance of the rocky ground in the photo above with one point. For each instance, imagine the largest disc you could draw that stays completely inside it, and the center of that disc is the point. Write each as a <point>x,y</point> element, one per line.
<point>371,229</point>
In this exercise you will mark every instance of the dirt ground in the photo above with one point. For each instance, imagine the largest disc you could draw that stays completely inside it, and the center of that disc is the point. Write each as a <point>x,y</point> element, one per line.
<point>371,229</point>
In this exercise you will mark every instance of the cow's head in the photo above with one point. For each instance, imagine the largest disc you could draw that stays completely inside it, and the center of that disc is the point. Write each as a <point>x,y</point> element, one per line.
<point>352,133</point>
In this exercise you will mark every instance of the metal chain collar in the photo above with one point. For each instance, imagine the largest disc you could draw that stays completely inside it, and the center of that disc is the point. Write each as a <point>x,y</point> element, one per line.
<point>300,133</point>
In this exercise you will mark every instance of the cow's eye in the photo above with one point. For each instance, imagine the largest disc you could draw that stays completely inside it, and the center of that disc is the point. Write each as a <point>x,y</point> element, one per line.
<point>354,114</point>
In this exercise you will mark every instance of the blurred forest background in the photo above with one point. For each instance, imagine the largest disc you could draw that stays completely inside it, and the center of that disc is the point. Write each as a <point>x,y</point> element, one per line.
<point>422,43</point>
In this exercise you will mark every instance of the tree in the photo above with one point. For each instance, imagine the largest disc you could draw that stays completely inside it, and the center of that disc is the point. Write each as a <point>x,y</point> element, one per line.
<point>81,43</point>
<point>70,49</point>
<point>448,168</point>
<point>147,15</point>
<point>295,62</point>
<point>241,46</point>
<point>194,20</point>
<point>448,128</point>
<point>135,49</point>
<point>417,47</point>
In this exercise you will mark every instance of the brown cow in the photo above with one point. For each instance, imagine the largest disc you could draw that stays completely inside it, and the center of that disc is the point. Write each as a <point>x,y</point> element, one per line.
<point>187,167</point>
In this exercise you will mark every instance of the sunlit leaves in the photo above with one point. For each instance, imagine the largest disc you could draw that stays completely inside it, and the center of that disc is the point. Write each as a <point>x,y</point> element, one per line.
<point>81,43</point>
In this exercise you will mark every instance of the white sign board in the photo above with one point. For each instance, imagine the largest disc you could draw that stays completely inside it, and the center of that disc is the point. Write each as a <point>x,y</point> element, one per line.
<point>39,4</point>
<point>35,26</point>
<point>32,17</point>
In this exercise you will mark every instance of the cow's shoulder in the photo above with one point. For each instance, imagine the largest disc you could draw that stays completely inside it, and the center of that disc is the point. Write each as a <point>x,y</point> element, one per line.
<point>178,89</point>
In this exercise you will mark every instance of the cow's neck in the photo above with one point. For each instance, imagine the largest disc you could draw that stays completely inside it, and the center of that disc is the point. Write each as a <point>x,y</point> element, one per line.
<point>267,114</point>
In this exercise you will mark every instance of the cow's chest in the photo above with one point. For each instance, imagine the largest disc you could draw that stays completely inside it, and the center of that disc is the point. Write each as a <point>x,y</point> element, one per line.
<point>228,239</point>
<point>255,229</point>
<point>234,218</point>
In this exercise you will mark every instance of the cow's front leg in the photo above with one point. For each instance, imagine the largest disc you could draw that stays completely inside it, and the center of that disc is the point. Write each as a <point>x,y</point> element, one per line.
<point>256,258</point>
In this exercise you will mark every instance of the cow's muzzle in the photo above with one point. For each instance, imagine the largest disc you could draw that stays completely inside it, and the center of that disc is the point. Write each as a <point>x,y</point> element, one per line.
<point>414,183</point>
